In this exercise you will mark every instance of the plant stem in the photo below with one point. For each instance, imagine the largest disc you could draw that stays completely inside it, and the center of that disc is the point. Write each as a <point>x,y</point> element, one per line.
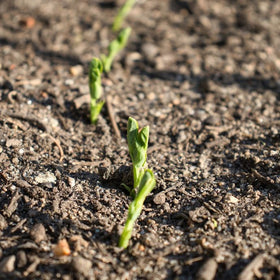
<point>147,184</point>
<point>115,47</point>
<point>124,10</point>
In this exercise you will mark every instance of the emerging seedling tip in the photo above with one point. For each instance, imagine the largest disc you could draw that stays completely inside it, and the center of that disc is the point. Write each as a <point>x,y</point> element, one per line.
<point>95,71</point>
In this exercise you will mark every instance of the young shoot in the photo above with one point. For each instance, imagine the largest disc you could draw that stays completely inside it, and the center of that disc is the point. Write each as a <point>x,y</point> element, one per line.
<point>95,71</point>
<point>137,140</point>
<point>115,47</point>
<point>144,179</point>
<point>147,184</point>
<point>124,10</point>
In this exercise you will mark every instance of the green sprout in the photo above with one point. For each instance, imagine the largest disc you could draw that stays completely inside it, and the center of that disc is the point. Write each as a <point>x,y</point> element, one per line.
<point>115,46</point>
<point>124,10</point>
<point>137,140</point>
<point>95,71</point>
<point>144,179</point>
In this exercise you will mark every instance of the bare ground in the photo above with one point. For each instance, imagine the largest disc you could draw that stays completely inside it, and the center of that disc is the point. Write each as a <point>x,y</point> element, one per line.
<point>205,76</point>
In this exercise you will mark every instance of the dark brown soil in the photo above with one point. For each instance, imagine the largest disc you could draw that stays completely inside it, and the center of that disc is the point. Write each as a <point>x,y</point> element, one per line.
<point>205,76</point>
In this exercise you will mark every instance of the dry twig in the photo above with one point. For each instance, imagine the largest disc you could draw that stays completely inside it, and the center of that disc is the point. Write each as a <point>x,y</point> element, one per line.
<point>57,144</point>
<point>112,116</point>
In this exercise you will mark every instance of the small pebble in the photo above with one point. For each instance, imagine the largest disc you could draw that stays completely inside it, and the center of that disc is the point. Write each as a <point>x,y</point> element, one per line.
<point>208,270</point>
<point>28,245</point>
<point>13,143</point>
<point>69,82</point>
<point>76,70</point>
<point>176,102</point>
<point>159,198</point>
<point>44,178</point>
<point>21,259</point>
<point>78,242</point>
<point>81,265</point>
<point>79,101</point>
<point>166,206</point>
<point>71,182</point>
<point>149,50</point>
<point>131,58</point>
<point>3,223</point>
<point>8,264</point>
<point>214,120</point>
<point>141,95</point>
<point>149,239</point>
<point>23,184</point>
<point>151,96</point>
<point>232,199</point>
<point>38,233</point>
<point>62,248</point>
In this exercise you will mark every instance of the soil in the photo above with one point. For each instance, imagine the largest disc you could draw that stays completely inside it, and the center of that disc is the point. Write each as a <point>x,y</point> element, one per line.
<point>204,75</point>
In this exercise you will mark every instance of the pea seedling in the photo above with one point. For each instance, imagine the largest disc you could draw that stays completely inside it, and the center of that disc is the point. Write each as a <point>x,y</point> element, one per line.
<point>137,140</point>
<point>115,46</point>
<point>144,179</point>
<point>124,10</point>
<point>95,71</point>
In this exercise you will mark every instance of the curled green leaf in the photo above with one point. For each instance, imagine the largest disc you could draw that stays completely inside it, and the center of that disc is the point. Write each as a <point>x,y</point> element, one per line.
<point>95,72</point>
<point>138,146</point>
